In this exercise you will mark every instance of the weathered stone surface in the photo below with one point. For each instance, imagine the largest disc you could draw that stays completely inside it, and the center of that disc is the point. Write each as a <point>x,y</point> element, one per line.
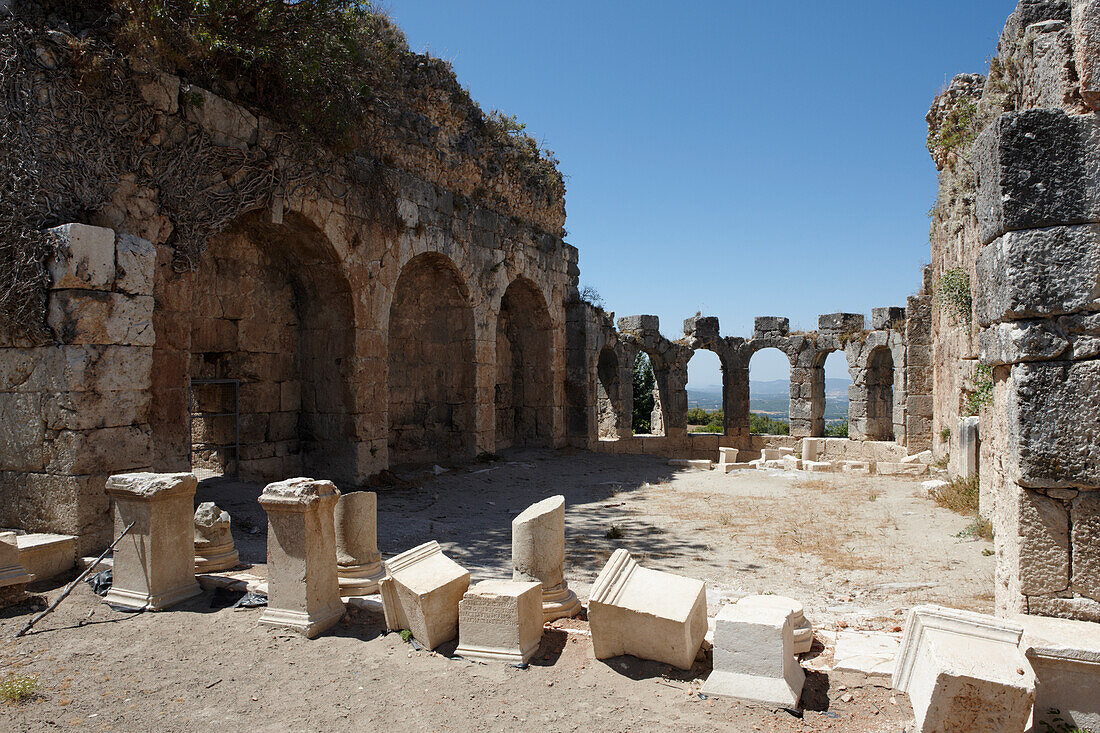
<point>887,318</point>
<point>501,621</point>
<point>1053,413</point>
<point>421,592</point>
<point>91,317</point>
<point>764,326</point>
<point>803,631</point>
<point>1044,544</point>
<point>358,561</point>
<point>1019,341</point>
<point>12,572</point>
<point>754,658</point>
<point>1038,273</point>
<point>89,263</point>
<point>1085,540</point>
<point>135,261</point>
<point>844,322</point>
<point>969,446</point>
<point>22,436</point>
<point>46,555</point>
<point>1086,42</point>
<point>228,124</point>
<point>538,554</point>
<point>639,324</point>
<point>214,548</point>
<point>1065,656</point>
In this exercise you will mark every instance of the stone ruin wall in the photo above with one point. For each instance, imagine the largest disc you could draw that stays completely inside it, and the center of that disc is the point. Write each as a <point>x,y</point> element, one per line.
<point>1018,212</point>
<point>358,343</point>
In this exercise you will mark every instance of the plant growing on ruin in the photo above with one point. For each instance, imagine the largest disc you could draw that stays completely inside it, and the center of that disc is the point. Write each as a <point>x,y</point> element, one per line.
<point>953,293</point>
<point>960,495</point>
<point>18,688</point>
<point>958,130</point>
<point>592,296</point>
<point>1059,724</point>
<point>981,391</point>
<point>1006,82</point>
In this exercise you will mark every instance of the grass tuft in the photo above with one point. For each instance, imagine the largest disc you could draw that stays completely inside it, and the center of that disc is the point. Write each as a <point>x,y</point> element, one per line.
<point>18,689</point>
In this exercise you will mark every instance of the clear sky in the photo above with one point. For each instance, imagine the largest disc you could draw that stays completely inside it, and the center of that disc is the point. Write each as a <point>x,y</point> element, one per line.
<point>739,158</point>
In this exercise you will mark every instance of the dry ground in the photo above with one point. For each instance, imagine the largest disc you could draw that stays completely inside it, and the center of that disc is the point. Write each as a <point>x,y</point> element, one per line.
<point>858,551</point>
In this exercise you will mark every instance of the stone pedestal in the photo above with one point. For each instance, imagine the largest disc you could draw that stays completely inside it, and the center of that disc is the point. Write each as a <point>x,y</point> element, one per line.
<point>214,549</point>
<point>812,449</point>
<point>154,564</point>
<point>13,576</point>
<point>500,621</point>
<point>646,613</point>
<point>358,561</point>
<point>1065,656</point>
<point>964,671</point>
<point>421,593</point>
<point>727,455</point>
<point>538,555</point>
<point>802,629</point>
<point>302,590</point>
<point>754,656</point>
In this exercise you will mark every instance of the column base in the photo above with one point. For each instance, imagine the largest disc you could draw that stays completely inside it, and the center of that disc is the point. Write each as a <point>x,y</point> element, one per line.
<point>484,654</point>
<point>360,580</point>
<point>131,600</point>
<point>559,602</point>
<point>215,559</point>
<point>301,622</point>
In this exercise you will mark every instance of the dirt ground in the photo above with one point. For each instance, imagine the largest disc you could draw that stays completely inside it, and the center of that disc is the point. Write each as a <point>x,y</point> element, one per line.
<point>858,551</point>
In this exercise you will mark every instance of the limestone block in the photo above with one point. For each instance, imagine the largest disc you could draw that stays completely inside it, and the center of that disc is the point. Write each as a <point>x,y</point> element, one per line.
<point>790,463</point>
<point>931,487</point>
<point>844,322</point>
<point>12,573</point>
<point>1053,413</point>
<point>421,593</point>
<point>1044,558</point>
<point>1065,656</point>
<point>817,466</point>
<point>692,465</point>
<point>303,593</point>
<point>802,629</point>
<point>646,613</point>
<point>884,468</point>
<point>969,447</point>
<point>886,318</point>
<point>89,263</point>
<point>538,554</point>
<point>21,440</point>
<point>924,457</point>
<point>358,561</point>
<point>963,671</point>
<point>135,261</point>
<point>1036,274</point>
<point>214,548</point>
<point>727,455</point>
<point>639,324</point>
<point>1018,341</point>
<point>771,454</point>
<point>500,620</point>
<point>1038,168</point>
<point>228,124</point>
<point>46,555</point>
<point>92,317</point>
<point>771,326</point>
<point>1085,541</point>
<point>869,653</point>
<point>702,327</point>
<point>155,563</point>
<point>1085,25</point>
<point>754,657</point>
<point>731,467</point>
<point>159,90</point>
<point>812,449</point>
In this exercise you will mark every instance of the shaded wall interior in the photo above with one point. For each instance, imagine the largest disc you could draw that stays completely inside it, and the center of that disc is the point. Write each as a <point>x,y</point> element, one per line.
<point>524,393</point>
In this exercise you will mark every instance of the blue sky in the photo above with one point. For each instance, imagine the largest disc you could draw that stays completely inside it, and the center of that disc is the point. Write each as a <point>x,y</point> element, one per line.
<point>737,158</point>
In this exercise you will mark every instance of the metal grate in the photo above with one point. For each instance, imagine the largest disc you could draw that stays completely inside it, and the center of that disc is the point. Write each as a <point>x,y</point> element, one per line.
<point>235,446</point>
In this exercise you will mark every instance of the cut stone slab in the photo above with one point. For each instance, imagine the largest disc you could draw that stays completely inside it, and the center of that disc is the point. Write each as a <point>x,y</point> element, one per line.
<point>754,658</point>
<point>860,467</point>
<point>930,488</point>
<point>1065,656</point>
<point>46,555</point>
<point>790,463</point>
<point>421,593</point>
<point>817,466</point>
<point>812,449</point>
<point>538,555</point>
<point>692,465</point>
<point>302,589</point>
<point>214,548</point>
<point>13,576</point>
<point>901,469</point>
<point>727,455</point>
<point>730,467</point>
<point>646,613</point>
<point>89,263</point>
<point>154,565</point>
<point>500,621</point>
<point>873,654</point>
<point>802,629</point>
<point>358,561</point>
<point>964,671</point>
<point>924,457</point>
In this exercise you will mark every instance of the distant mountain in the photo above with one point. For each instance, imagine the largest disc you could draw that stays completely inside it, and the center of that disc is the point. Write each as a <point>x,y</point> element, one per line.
<point>833,388</point>
<point>773,398</point>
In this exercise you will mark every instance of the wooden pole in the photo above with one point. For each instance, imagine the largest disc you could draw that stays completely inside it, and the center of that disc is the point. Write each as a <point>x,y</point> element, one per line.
<point>69,589</point>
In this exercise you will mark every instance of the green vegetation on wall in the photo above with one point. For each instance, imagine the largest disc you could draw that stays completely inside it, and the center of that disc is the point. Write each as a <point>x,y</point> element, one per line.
<point>953,293</point>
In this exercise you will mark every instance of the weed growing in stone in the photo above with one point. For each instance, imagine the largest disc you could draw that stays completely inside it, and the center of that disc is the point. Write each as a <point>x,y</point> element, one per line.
<point>953,293</point>
<point>614,532</point>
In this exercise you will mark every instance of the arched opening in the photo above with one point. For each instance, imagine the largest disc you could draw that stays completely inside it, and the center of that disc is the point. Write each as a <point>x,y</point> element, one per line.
<point>524,387</point>
<point>769,392</point>
<point>608,394</point>
<point>648,415</point>
<point>271,353</point>
<point>880,394</point>
<point>836,383</point>
<point>705,394</point>
<point>431,365</point>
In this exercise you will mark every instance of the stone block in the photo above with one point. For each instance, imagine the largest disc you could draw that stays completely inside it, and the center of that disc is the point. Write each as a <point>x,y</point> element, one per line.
<point>421,593</point>
<point>842,322</point>
<point>691,465</point>
<point>1065,657</point>
<point>646,613</point>
<point>885,468</point>
<point>303,592</point>
<point>887,318</point>
<point>930,488</point>
<point>702,327</point>
<point>771,326</point>
<point>135,265</point>
<point>358,561</point>
<point>21,440</point>
<point>1019,341</point>
<point>860,467</point>
<point>46,555</point>
<point>817,466</point>
<point>1037,169</point>
<point>83,317</point>
<point>87,260</point>
<point>727,455</point>
<point>802,629</point>
<point>1037,273</point>
<point>1053,413</point>
<point>1086,42</point>
<point>964,671</point>
<point>639,324</point>
<point>969,447</point>
<point>228,124</point>
<point>538,554</point>
<point>1044,546</point>
<point>13,576</point>
<point>869,653</point>
<point>155,563</point>
<point>790,463</point>
<point>812,449</point>
<point>731,467</point>
<point>99,451</point>
<point>1085,543</point>
<point>214,548</point>
<point>500,621</point>
<point>754,658</point>
<point>924,457</point>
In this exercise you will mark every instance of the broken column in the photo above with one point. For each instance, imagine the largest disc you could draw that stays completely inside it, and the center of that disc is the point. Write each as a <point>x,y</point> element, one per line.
<point>500,621</point>
<point>302,590</point>
<point>964,671</point>
<point>13,576</point>
<point>154,565</point>
<point>646,613</point>
<point>754,658</point>
<point>802,629</point>
<point>214,549</point>
<point>421,593</point>
<point>538,554</point>
<point>358,561</point>
<point>968,447</point>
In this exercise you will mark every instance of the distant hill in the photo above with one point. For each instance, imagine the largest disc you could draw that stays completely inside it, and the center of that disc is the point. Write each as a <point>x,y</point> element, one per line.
<point>772,398</point>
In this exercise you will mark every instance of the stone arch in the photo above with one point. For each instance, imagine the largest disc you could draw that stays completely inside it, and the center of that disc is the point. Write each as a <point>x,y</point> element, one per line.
<point>880,394</point>
<point>271,308</point>
<point>431,376</point>
<point>609,394</point>
<point>722,374</point>
<point>524,395</point>
<point>783,346</point>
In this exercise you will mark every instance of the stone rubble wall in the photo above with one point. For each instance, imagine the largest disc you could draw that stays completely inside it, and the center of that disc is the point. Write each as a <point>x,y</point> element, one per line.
<point>76,412</point>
